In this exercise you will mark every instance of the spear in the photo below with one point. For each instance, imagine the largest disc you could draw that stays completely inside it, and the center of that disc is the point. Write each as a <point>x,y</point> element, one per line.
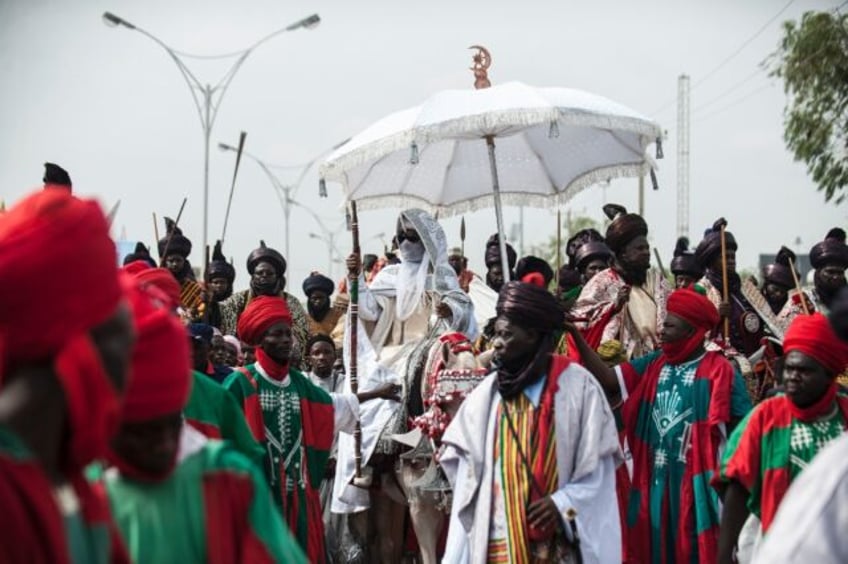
<point>171,233</point>
<point>462,239</point>
<point>721,224</point>
<point>353,372</point>
<point>113,212</point>
<point>233,185</point>
<point>156,227</point>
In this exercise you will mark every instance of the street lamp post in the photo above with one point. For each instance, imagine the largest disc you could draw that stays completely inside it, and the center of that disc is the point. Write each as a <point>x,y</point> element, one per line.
<point>284,191</point>
<point>330,240</point>
<point>207,99</point>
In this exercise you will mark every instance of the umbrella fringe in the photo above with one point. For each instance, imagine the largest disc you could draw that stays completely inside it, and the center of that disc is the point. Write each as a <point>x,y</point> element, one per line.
<point>553,201</point>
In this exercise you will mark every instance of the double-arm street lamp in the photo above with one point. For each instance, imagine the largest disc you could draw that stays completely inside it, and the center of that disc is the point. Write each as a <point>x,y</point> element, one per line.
<point>284,191</point>
<point>207,98</point>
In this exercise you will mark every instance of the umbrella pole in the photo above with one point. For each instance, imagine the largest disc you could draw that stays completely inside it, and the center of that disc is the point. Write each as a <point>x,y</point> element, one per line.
<point>496,188</point>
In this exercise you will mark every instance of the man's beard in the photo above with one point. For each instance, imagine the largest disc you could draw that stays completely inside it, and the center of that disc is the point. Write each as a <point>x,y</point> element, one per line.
<point>496,287</point>
<point>318,313</point>
<point>775,304</point>
<point>266,288</point>
<point>633,274</point>
<point>222,295</point>
<point>827,292</point>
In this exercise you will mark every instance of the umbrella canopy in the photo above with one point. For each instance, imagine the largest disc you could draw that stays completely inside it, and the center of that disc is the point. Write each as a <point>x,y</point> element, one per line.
<point>551,144</point>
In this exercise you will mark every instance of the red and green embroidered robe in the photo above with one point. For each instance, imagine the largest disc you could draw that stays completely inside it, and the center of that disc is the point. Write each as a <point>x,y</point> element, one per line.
<point>771,447</point>
<point>673,418</point>
<point>214,508</point>
<point>213,411</point>
<point>293,420</point>
<point>36,529</point>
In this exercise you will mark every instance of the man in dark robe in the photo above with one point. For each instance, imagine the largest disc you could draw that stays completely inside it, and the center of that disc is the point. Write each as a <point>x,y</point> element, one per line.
<point>495,276</point>
<point>778,280</point>
<point>684,265</point>
<point>174,249</point>
<point>323,315</point>
<point>219,279</point>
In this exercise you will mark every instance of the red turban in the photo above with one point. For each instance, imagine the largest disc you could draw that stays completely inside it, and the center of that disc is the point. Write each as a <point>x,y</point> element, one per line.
<point>161,367</point>
<point>58,276</point>
<point>45,317</point>
<point>163,280</point>
<point>693,307</point>
<point>813,336</point>
<point>259,315</point>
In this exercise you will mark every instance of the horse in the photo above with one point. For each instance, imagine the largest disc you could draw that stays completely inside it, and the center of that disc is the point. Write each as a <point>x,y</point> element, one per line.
<point>451,371</point>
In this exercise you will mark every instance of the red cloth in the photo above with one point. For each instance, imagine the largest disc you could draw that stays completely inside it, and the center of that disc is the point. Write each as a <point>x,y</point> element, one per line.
<point>693,307</point>
<point>161,364</point>
<point>259,315</point>
<point>43,318</point>
<point>813,336</point>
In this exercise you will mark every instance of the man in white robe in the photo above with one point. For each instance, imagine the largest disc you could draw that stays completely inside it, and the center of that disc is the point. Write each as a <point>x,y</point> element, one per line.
<point>402,312</point>
<point>584,439</point>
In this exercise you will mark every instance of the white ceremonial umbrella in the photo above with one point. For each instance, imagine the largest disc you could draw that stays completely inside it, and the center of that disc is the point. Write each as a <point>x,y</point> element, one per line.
<point>551,144</point>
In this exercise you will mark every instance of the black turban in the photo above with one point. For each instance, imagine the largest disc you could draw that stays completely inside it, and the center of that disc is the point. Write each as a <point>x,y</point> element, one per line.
<point>317,281</point>
<point>710,248</point>
<point>54,175</point>
<point>587,252</point>
<point>578,240</point>
<point>140,253</point>
<point>529,306</point>
<point>493,253</point>
<point>831,251</point>
<point>684,261</point>
<point>219,267</point>
<point>530,264</point>
<point>780,272</point>
<point>624,227</point>
<point>179,243</point>
<point>265,254</point>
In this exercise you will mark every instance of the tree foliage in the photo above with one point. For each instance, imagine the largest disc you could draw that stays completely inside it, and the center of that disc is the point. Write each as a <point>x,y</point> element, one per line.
<point>812,60</point>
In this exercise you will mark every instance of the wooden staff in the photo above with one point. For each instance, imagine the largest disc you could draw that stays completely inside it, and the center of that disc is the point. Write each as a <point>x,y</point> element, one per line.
<point>233,185</point>
<point>725,292</point>
<point>171,233</point>
<point>358,479</point>
<point>558,247</point>
<point>801,295</point>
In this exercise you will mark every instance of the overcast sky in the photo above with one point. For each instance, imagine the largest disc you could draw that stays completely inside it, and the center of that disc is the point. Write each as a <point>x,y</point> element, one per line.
<point>111,107</point>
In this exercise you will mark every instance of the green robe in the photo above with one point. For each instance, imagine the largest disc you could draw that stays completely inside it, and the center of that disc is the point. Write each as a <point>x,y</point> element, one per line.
<point>213,411</point>
<point>214,508</point>
<point>293,418</point>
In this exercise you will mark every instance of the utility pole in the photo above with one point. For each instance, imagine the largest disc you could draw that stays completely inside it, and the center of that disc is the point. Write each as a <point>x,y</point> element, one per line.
<point>683,156</point>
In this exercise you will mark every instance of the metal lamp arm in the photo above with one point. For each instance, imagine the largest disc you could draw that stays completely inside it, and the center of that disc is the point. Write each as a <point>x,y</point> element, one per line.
<point>191,81</point>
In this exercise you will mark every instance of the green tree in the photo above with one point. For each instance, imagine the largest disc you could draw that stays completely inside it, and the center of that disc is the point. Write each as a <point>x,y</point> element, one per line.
<point>812,60</point>
<point>570,225</point>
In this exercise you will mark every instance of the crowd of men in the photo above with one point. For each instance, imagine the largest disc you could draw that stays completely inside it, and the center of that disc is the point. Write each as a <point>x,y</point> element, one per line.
<point>601,412</point>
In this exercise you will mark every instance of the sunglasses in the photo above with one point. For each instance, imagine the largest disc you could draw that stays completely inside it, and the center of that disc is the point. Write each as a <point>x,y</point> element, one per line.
<point>411,237</point>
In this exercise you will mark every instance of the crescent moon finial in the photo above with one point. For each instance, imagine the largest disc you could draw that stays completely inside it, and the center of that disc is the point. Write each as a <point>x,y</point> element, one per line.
<point>481,61</point>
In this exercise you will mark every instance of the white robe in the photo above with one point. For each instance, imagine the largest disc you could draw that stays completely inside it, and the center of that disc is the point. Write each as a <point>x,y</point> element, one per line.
<point>587,452</point>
